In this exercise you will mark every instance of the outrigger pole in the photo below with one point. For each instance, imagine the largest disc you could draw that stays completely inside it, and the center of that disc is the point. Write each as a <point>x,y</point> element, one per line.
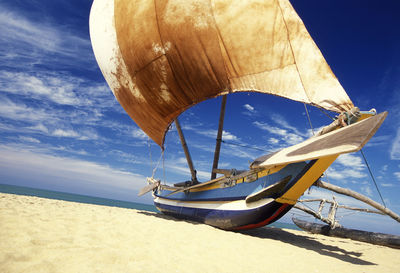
<point>219,138</point>
<point>186,150</point>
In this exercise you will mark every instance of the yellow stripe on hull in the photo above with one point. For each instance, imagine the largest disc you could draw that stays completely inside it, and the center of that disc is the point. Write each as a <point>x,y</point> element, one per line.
<point>319,167</point>
<point>241,180</point>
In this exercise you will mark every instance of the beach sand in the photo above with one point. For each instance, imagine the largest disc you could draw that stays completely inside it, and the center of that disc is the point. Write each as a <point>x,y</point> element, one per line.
<point>44,235</point>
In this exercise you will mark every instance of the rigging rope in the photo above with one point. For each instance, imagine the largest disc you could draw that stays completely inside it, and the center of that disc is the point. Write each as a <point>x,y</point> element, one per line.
<point>163,166</point>
<point>149,145</point>
<point>309,120</point>
<point>245,146</point>
<point>372,176</point>
<point>326,113</point>
<point>158,163</point>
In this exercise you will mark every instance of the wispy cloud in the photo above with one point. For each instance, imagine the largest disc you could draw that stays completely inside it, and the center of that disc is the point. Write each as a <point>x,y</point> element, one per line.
<point>213,134</point>
<point>351,161</point>
<point>366,189</point>
<point>29,139</point>
<point>20,111</point>
<point>249,110</point>
<point>59,88</point>
<point>347,168</point>
<point>139,134</point>
<point>179,166</point>
<point>30,42</point>
<point>288,135</point>
<point>395,149</point>
<point>248,107</point>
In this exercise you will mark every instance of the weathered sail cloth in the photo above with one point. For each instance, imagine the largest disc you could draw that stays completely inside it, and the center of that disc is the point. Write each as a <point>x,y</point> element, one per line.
<point>161,57</point>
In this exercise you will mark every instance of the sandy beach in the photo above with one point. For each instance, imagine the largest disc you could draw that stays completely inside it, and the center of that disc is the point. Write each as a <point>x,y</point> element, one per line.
<point>44,235</point>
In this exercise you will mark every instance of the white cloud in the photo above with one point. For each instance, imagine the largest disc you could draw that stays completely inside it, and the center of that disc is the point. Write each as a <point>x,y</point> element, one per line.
<point>288,137</point>
<point>33,41</point>
<point>281,121</point>
<point>29,139</point>
<point>213,134</point>
<point>57,87</point>
<point>397,174</point>
<point>248,107</point>
<point>378,141</point>
<point>350,160</point>
<point>273,140</point>
<point>139,134</point>
<point>366,190</point>
<point>179,166</point>
<point>344,175</point>
<point>39,127</point>
<point>395,149</point>
<point>229,136</point>
<point>65,133</point>
<point>20,111</point>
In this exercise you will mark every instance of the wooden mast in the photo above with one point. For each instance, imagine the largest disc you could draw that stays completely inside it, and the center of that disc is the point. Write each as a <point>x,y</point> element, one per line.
<point>219,138</point>
<point>186,150</point>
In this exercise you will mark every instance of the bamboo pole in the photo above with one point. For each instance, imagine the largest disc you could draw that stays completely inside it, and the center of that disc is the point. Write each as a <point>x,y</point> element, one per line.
<point>358,196</point>
<point>186,150</point>
<point>219,138</point>
<point>313,213</point>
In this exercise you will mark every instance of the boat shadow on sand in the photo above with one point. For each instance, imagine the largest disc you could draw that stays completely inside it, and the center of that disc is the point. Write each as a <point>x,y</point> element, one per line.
<point>309,243</point>
<point>281,235</point>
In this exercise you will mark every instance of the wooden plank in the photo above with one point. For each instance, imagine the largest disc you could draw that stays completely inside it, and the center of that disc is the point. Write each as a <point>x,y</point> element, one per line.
<point>153,184</point>
<point>200,185</point>
<point>344,140</point>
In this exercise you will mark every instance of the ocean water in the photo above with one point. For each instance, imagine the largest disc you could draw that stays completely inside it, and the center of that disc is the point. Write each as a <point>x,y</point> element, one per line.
<point>4,188</point>
<point>74,197</point>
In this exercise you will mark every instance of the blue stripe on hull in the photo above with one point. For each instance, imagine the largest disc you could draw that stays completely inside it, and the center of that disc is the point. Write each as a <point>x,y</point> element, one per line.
<point>229,219</point>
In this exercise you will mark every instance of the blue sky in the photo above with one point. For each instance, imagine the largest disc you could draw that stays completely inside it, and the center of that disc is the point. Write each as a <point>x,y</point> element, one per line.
<point>62,129</point>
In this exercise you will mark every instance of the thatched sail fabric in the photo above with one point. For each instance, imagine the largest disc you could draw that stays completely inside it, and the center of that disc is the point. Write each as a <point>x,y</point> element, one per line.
<point>161,57</point>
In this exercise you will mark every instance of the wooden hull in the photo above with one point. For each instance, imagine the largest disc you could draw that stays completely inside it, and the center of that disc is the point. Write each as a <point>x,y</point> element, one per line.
<point>354,234</point>
<point>245,203</point>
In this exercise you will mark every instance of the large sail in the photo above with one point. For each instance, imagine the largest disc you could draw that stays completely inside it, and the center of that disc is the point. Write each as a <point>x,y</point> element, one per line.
<point>161,57</point>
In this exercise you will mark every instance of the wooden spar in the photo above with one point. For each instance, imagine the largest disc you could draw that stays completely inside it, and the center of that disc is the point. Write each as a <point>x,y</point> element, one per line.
<point>219,138</point>
<point>358,196</point>
<point>186,150</point>
<point>343,206</point>
<point>313,213</point>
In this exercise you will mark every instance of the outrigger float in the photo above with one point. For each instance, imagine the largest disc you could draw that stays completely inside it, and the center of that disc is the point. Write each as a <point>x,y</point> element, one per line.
<point>162,57</point>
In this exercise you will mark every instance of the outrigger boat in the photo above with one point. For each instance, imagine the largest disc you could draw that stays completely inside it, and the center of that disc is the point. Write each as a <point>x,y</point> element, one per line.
<point>162,57</point>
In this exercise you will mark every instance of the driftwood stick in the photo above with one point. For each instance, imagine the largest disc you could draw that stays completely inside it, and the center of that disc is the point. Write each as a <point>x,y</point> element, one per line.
<point>358,196</point>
